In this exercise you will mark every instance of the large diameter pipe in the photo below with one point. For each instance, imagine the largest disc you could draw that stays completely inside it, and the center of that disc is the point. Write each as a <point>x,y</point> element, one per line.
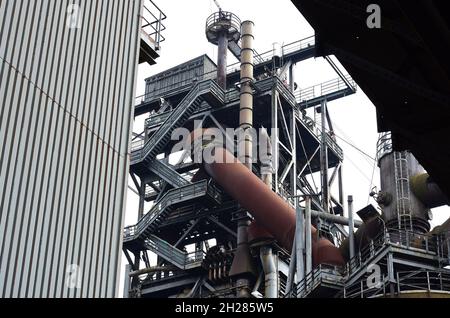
<point>269,210</point>
<point>427,191</point>
<point>270,272</point>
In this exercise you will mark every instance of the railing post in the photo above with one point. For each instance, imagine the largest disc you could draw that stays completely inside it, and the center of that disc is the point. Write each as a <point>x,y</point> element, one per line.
<point>428,281</point>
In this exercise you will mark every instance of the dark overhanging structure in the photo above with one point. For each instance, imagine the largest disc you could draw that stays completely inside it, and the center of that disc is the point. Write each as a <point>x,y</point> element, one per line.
<point>403,68</point>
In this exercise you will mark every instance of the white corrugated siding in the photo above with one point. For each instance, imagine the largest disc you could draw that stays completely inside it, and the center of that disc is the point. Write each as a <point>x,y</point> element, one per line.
<point>66,98</point>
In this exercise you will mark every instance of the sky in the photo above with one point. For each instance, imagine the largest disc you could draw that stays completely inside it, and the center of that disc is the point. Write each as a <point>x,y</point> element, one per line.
<point>353,117</point>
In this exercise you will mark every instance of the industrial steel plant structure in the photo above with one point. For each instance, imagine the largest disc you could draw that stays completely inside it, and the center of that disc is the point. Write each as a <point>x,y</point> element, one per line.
<point>276,233</point>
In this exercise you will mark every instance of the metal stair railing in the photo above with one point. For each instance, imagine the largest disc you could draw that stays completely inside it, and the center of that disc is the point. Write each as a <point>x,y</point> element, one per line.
<point>179,116</point>
<point>321,91</point>
<point>170,253</point>
<point>176,119</point>
<point>168,174</point>
<point>161,209</point>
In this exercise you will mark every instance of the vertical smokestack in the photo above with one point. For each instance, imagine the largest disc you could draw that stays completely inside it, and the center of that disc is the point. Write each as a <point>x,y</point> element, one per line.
<point>242,262</point>
<point>246,98</point>
<point>222,58</point>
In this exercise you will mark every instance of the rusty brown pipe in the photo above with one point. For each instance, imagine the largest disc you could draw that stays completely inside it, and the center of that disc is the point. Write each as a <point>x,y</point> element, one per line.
<point>269,210</point>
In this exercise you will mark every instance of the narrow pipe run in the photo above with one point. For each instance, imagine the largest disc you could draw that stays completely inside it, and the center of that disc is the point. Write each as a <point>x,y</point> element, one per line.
<point>270,272</point>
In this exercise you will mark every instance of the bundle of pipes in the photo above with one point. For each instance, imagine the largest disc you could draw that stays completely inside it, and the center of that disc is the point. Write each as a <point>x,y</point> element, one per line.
<point>270,211</point>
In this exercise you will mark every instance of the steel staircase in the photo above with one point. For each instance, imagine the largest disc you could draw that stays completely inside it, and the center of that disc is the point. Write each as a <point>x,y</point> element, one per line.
<point>170,253</point>
<point>161,209</point>
<point>178,117</point>
<point>165,172</point>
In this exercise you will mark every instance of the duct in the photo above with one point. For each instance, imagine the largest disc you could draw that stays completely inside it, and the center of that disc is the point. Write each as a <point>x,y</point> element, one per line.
<point>335,218</point>
<point>268,209</point>
<point>270,272</point>
<point>427,191</point>
<point>351,234</point>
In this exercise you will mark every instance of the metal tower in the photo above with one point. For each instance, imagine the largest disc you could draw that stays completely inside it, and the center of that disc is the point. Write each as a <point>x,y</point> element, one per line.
<point>287,249</point>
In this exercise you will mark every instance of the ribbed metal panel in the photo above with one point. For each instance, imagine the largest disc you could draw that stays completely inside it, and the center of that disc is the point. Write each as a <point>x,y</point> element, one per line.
<point>66,97</point>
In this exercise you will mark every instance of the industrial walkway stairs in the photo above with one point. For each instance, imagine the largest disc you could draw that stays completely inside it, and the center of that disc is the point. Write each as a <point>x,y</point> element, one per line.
<point>327,91</point>
<point>136,234</point>
<point>175,256</point>
<point>207,90</point>
<point>165,172</point>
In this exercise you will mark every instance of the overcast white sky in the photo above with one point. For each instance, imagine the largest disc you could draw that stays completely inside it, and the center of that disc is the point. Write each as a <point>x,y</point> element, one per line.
<point>275,21</point>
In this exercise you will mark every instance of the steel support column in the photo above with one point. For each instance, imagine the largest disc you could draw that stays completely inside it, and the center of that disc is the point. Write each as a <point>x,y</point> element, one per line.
<point>324,159</point>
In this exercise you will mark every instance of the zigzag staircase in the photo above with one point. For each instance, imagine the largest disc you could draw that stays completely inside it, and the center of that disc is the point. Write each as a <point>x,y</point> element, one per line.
<point>204,90</point>
<point>170,253</point>
<point>170,200</point>
<point>165,172</point>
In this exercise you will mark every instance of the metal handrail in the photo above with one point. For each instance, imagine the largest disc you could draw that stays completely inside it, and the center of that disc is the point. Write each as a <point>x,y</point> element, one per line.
<point>219,16</point>
<point>438,245</point>
<point>170,197</point>
<point>384,144</point>
<point>406,281</point>
<point>322,89</point>
<point>187,83</point>
<point>307,283</point>
<point>286,49</point>
<point>152,17</point>
<point>179,257</point>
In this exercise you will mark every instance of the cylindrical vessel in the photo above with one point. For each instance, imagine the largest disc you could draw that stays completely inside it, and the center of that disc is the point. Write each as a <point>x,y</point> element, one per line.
<point>402,209</point>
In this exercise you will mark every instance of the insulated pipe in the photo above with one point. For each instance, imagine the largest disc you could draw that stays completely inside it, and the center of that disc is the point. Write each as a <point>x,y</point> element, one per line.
<point>351,234</point>
<point>335,218</point>
<point>308,234</point>
<point>266,158</point>
<point>300,244</point>
<point>270,272</point>
<point>427,191</point>
<point>246,95</point>
<point>222,60</point>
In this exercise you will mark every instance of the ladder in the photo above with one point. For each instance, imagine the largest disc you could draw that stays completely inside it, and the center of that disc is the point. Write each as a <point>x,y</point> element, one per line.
<point>402,190</point>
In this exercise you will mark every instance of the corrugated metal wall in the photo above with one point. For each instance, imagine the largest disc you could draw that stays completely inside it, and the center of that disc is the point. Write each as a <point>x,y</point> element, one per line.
<point>66,97</point>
